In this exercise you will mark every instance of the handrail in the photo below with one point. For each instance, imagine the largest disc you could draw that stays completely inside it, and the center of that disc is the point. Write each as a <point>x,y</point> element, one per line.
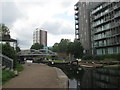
<point>6,61</point>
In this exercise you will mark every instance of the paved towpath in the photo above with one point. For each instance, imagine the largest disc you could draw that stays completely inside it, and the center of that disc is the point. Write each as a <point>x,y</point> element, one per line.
<point>35,76</point>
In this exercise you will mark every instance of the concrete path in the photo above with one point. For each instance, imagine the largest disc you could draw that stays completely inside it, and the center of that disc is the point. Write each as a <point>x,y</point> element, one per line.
<point>35,76</point>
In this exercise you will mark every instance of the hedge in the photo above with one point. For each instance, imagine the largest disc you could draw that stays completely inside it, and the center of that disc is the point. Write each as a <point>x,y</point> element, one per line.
<point>102,57</point>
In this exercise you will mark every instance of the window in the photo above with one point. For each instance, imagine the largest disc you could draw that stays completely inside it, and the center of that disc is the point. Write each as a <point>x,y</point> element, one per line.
<point>110,50</point>
<point>86,20</point>
<point>99,51</point>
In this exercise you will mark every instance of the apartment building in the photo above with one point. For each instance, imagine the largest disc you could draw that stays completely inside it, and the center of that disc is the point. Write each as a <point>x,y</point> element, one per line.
<point>105,28</point>
<point>82,24</point>
<point>40,36</point>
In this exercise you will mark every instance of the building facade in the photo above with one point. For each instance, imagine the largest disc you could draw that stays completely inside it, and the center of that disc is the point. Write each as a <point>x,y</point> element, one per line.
<point>97,26</point>
<point>82,24</point>
<point>40,36</point>
<point>105,28</point>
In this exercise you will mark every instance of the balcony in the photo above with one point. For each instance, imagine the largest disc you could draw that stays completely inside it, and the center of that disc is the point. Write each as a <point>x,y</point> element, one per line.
<point>76,17</point>
<point>76,13</point>
<point>107,45</point>
<point>76,23</point>
<point>101,7</point>
<point>76,28</point>
<point>77,33</point>
<point>76,8</point>
<point>77,38</point>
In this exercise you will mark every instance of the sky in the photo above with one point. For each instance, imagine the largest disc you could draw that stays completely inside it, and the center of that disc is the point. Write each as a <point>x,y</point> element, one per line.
<point>23,16</point>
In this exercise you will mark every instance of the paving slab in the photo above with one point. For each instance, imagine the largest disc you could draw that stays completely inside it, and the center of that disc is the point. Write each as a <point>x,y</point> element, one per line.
<point>35,76</point>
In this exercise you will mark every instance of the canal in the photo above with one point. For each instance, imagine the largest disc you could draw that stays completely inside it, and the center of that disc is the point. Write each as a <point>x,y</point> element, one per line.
<point>91,77</point>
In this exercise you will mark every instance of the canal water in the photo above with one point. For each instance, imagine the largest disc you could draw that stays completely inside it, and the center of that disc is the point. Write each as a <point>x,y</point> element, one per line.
<point>91,77</point>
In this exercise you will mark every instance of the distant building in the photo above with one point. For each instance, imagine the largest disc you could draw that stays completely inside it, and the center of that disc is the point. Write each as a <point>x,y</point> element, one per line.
<point>40,36</point>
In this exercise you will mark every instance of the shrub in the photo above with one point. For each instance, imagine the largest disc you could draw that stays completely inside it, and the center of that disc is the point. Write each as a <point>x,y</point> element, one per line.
<point>19,67</point>
<point>7,75</point>
<point>87,57</point>
<point>102,57</point>
<point>9,52</point>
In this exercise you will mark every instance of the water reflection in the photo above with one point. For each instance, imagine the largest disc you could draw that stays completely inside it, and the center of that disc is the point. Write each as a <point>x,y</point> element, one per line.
<point>74,74</point>
<point>91,77</point>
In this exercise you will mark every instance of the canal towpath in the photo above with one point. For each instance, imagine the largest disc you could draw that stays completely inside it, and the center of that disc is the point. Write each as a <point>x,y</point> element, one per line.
<point>38,76</point>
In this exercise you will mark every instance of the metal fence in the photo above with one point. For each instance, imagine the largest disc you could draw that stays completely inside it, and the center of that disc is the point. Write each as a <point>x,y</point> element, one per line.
<point>6,61</point>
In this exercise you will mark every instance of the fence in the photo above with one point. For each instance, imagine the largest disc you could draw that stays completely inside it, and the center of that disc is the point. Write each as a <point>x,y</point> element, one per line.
<point>6,61</point>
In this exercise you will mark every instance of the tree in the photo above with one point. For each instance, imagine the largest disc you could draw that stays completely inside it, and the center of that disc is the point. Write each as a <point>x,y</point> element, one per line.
<point>10,52</point>
<point>18,49</point>
<point>77,49</point>
<point>55,47</point>
<point>70,48</point>
<point>17,46</point>
<point>37,46</point>
<point>4,30</point>
<point>63,45</point>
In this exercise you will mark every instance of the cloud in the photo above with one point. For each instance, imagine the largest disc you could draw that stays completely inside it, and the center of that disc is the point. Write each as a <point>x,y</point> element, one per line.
<point>10,13</point>
<point>56,38</point>
<point>24,16</point>
<point>59,26</point>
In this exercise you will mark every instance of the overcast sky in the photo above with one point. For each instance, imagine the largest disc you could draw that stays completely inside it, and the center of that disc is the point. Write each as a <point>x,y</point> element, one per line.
<point>24,16</point>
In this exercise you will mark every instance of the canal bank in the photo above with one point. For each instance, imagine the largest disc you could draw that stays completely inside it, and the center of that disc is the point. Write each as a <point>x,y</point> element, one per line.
<point>38,76</point>
<point>63,79</point>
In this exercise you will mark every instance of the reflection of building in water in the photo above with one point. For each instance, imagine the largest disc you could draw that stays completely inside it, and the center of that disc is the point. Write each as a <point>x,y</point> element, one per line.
<point>87,81</point>
<point>106,78</point>
<point>101,78</point>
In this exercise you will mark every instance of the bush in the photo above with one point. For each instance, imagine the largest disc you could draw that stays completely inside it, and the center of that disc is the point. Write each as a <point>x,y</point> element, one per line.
<point>19,67</point>
<point>7,75</point>
<point>87,57</point>
<point>102,57</point>
<point>9,52</point>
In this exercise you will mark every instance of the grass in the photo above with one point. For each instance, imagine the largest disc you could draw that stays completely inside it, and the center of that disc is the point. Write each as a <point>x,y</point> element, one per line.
<point>112,66</point>
<point>56,61</point>
<point>7,75</point>
<point>109,60</point>
<point>19,67</point>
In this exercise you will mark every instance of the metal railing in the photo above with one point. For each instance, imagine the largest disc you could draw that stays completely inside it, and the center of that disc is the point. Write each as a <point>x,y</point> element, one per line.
<point>6,61</point>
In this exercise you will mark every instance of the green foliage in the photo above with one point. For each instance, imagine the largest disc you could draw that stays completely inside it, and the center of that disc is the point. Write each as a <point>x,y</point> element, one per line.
<point>4,30</point>
<point>10,52</point>
<point>7,75</point>
<point>102,57</point>
<point>55,48</point>
<point>19,67</point>
<point>112,66</point>
<point>56,61</point>
<point>78,49</point>
<point>87,57</point>
<point>18,49</point>
<point>37,46</point>
<point>65,46</point>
